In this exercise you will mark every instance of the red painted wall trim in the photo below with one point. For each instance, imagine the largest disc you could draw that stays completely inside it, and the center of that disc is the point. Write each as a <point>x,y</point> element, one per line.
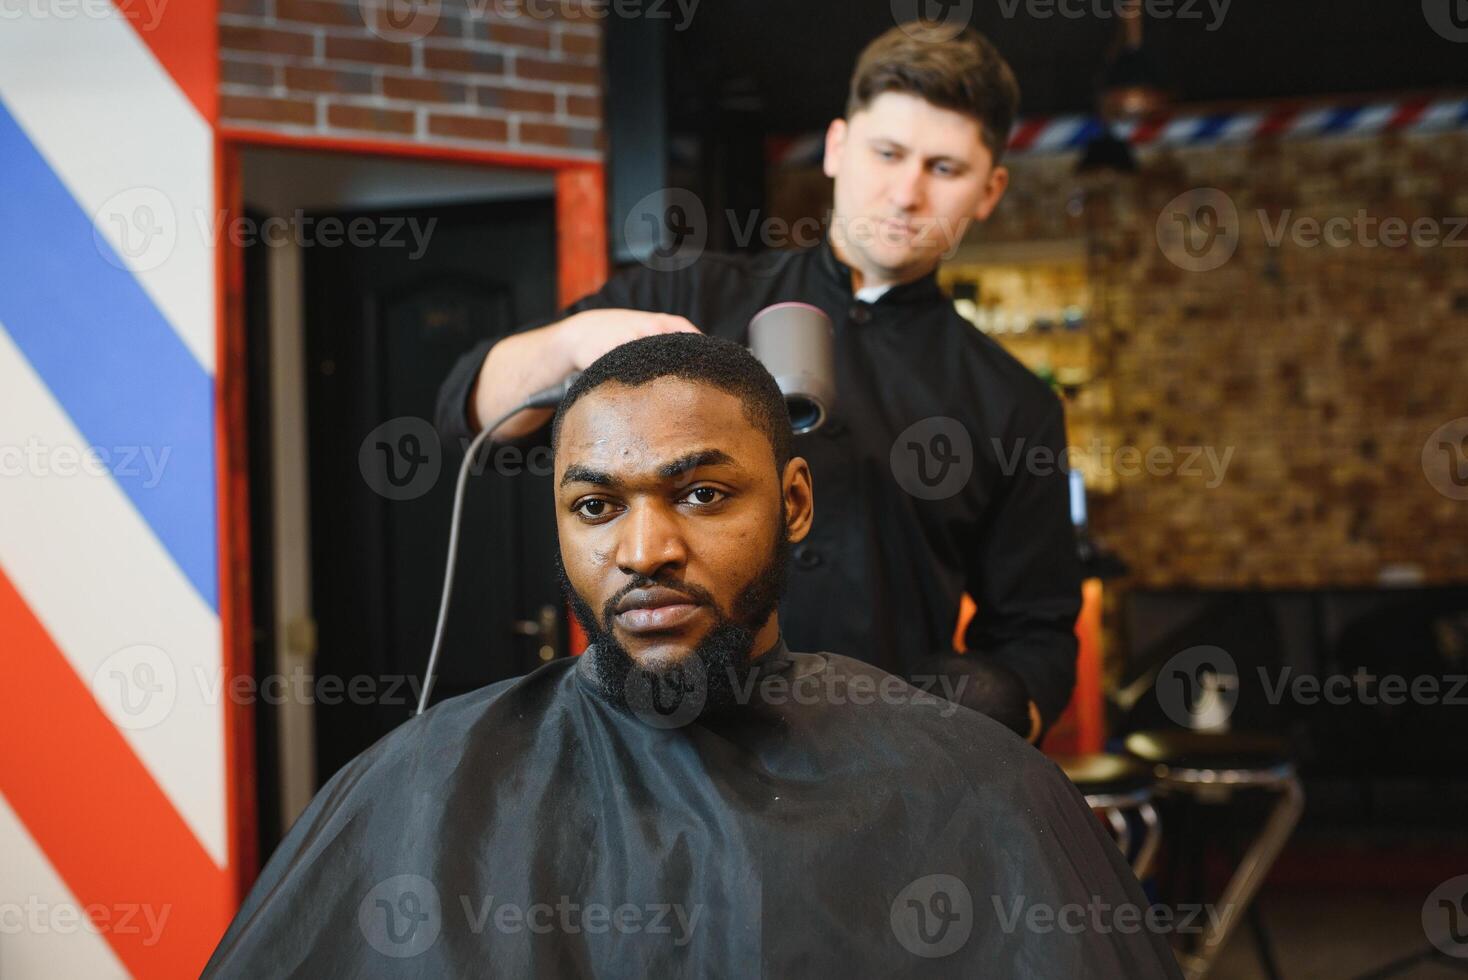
<point>246,136</point>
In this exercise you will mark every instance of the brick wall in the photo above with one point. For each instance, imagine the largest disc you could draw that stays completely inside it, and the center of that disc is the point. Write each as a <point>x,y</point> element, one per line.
<point>482,73</point>
<point>1324,367</point>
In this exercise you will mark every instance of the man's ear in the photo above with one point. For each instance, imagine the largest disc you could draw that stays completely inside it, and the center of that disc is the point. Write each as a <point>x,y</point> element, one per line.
<point>993,191</point>
<point>836,134</point>
<point>798,496</point>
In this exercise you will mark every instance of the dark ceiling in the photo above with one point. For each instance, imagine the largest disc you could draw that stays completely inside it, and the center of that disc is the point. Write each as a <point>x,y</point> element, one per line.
<point>790,59</point>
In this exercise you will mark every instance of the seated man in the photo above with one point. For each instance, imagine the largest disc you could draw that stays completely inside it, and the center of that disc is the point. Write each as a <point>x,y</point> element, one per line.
<point>689,798</point>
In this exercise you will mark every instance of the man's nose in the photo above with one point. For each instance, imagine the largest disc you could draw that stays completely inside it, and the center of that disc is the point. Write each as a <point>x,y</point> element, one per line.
<point>651,541</point>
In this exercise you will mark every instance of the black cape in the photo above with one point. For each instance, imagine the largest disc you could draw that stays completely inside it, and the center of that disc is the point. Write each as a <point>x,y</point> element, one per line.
<point>839,823</point>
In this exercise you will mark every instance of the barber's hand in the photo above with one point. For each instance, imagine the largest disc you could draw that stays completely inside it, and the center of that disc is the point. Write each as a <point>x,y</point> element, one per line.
<point>1037,724</point>
<point>587,336</point>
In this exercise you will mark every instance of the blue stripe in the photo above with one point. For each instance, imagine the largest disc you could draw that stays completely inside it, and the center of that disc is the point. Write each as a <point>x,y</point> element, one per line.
<point>1340,119</point>
<point>1089,130</point>
<point>110,357</point>
<point>1210,127</point>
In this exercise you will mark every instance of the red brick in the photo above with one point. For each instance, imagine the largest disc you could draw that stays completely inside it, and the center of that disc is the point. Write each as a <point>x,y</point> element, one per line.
<point>369,117</point>
<point>246,73</point>
<point>462,59</point>
<point>587,106</point>
<point>265,40</point>
<point>581,45</point>
<point>423,89</point>
<point>557,71</point>
<point>518,34</point>
<point>548,134</point>
<point>469,128</point>
<point>261,109</point>
<point>337,81</point>
<point>319,12</point>
<point>370,50</point>
<point>445,25</point>
<point>516,100</point>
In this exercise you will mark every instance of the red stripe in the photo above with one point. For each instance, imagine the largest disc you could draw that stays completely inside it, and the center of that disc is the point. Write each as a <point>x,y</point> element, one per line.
<point>185,41</point>
<point>1027,133</point>
<point>1148,129</point>
<point>1407,113</point>
<point>103,823</point>
<point>1277,122</point>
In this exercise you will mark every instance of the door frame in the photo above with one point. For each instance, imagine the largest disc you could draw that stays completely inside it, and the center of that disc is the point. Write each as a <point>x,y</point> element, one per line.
<point>582,267</point>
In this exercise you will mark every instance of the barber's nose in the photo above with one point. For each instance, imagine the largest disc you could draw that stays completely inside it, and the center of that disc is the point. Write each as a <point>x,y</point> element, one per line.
<point>650,542</point>
<point>908,188</point>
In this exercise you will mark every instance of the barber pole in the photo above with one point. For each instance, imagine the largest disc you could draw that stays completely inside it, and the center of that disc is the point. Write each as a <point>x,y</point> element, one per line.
<point>116,769</point>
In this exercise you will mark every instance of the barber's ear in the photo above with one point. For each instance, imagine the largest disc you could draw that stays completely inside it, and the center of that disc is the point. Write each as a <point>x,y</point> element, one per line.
<point>798,493</point>
<point>835,144</point>
<point>993,191</point>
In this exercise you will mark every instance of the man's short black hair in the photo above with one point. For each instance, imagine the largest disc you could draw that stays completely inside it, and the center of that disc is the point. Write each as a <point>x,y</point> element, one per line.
<point>692,357</point>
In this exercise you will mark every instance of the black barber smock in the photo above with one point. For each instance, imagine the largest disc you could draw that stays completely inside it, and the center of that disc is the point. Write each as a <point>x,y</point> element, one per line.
<point>880,575</point>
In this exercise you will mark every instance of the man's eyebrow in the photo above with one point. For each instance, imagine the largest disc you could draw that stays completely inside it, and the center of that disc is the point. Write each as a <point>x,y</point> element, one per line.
<point>693,460</point>
<point>577,473</point>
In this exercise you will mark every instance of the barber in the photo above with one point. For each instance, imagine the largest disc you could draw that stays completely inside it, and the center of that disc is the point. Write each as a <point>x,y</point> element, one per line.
<point>905,527</point>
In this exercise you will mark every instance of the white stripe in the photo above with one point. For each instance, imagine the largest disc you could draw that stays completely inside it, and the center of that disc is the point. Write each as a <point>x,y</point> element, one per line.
<point>1373,118</point>
<point>1309,123</point>
<point>121,135</point>
<point>100,582</point>
<point>1179,131</point>
<point>1241,128</point>
<point>1060,132</point>
<point>1440,114</point>
<point>42,934</point>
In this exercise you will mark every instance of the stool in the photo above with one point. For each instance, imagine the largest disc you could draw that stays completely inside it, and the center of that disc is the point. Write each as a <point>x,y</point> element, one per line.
<point>1210,767</point>
<point>1114,785</point>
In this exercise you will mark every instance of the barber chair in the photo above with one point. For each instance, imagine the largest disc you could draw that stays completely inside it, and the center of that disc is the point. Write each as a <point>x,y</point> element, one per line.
<point>1115,786</point>
<point>1203,768</point>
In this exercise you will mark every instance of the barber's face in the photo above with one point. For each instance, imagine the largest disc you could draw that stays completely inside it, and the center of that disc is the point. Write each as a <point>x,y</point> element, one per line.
<point>669,510</point>
<point>910,178</point>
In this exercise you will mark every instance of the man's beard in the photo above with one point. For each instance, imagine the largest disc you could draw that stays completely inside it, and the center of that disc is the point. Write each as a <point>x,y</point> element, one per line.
<point>714,673</point>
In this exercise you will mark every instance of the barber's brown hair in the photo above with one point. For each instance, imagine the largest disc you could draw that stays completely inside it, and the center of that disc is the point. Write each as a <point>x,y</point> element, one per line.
<point>964,74</point>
